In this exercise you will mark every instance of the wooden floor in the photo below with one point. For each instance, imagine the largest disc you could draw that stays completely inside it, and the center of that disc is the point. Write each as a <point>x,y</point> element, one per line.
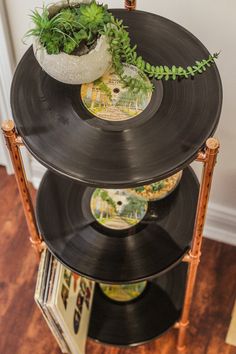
<point>23,330</point>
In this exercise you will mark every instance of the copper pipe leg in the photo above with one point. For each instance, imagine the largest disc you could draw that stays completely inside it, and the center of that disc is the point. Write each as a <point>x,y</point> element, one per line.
<point>13,141</point>
<point>208,157</point>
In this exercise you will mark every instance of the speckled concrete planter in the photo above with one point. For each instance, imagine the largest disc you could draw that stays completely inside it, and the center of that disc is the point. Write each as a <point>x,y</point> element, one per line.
<point>72,69</point>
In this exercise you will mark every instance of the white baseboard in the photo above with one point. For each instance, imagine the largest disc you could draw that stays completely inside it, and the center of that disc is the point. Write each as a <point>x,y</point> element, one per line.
<point>220,223</point>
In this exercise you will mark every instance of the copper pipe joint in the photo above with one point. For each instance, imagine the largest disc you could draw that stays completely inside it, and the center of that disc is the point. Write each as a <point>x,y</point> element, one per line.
<point>176,325</point>
<point>183,324</point>
<point>212,145</point>
<point>35,243</point>
<point>180,324</point>
<point>19,141</point>
<point>190,257</point>
<point>8,128</point>
<point>39,246</point>
<point>201,156</point>
<point>181,349</point>
<point>130,5</point>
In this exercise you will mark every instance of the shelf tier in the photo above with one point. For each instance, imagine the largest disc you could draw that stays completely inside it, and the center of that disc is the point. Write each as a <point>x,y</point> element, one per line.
<point>60,132</point>
<point>141,252</point>
<point>144,319</point>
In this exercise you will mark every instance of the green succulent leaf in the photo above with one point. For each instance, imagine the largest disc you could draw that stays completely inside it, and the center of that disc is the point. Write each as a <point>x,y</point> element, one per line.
<point>93,15</point>
<point>81,35</point>
<point>69,46</point>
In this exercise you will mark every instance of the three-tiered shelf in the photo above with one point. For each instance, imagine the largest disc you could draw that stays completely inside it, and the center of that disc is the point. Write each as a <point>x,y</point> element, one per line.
<point>83,152</point>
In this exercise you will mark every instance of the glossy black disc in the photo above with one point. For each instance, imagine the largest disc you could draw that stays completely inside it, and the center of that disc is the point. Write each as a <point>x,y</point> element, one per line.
<point>143,319</point>
<point>151,247</point>
<point>60,132</point>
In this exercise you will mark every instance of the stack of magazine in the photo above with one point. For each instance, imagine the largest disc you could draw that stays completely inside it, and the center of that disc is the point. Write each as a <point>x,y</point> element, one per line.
<point>65,300</point>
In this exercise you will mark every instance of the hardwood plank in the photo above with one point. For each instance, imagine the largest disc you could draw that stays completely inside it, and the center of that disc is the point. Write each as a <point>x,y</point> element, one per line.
<point>24,331</point>
<point>22,327</point>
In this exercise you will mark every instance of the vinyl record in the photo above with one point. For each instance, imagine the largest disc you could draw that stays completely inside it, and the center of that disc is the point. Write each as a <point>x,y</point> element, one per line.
<point>66,137</point>
<point>143,319</point>
<point>107,255</point>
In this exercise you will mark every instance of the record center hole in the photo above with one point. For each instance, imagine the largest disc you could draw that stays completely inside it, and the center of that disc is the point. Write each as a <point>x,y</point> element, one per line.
<point>119,203</point>
<point>116,90</point>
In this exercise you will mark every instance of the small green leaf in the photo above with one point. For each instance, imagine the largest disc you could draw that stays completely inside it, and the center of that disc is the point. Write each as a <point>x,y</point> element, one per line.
<point>190,70</point>
<point>148,67</point>
<point>174,69</point>
<point>167,69</point>
<point>167,76</point>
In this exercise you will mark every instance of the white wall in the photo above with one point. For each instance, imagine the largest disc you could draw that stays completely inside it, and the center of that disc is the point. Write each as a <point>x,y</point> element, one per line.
<point>213,22</point>
<point>7,62</point>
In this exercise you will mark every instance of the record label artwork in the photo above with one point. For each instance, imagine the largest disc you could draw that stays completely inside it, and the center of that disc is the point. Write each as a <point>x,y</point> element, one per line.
<point>117,208</point>
<point>123,293</point>
<point>160,189</point>
<point>108,99</point>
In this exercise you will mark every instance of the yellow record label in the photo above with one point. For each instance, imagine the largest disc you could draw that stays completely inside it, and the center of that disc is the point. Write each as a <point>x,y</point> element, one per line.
<point>123,293</point>
<point>108,99</point>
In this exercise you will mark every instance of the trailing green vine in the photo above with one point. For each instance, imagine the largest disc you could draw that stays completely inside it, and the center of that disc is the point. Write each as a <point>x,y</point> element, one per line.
<point>79,26</point>
<point>103,87</point>
<point>123,52</point>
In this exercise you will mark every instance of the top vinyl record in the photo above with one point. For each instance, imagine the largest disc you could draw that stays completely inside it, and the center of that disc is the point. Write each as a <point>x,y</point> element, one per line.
<point>61,129</point>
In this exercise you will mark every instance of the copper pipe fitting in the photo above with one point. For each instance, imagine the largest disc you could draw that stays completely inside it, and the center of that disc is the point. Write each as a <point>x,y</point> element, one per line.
<point>130,5</point>
<point>189,257</point>
<point>201,157</point>
<point>181,349</point>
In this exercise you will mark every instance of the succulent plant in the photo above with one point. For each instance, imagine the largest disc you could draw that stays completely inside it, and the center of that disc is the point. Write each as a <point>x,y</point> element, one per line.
<point>72,26</point>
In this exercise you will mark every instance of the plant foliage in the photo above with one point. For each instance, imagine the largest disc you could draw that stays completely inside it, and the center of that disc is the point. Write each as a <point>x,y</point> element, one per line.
<point>84,23</point>
<point>66,30</point>
<point>122,51</point>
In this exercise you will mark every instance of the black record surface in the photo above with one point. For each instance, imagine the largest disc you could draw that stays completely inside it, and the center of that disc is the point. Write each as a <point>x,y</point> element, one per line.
<point>144,319</point>
<point>153,246</point>
<point>65,137</point>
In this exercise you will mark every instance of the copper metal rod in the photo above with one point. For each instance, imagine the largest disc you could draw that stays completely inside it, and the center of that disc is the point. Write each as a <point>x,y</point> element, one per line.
<point>130,4</point>
<point>212,149</point>
<point>13,142</point>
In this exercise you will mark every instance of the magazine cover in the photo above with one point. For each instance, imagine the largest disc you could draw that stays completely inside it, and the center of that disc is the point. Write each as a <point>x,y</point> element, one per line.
<point>65,299</point>
<point>44,284</point>
<point>71,304</point>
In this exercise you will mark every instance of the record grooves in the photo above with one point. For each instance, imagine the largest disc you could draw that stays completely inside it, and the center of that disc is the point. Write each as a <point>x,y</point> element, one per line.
<point>150,248</point>
<point>143,319</point>
<point>65,137</point>
<point>98,146</point>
